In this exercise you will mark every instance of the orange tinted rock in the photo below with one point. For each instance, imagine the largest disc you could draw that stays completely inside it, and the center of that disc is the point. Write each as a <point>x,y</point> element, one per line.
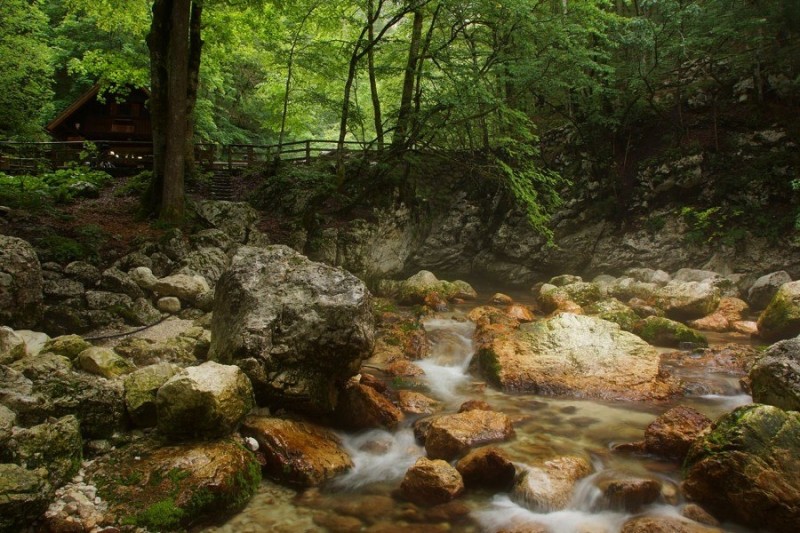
<point>471,405</point>
<point>520,312</point>
<point>297,453</point>
<point>415,402</point>
<point>672,434</point>
<point>450,436</point>
<point>362,407</point>
<point>431,482</point>
<point>548,486</point>
<point>665,524</point>
<point>403,367</point>
<point>501,299</point>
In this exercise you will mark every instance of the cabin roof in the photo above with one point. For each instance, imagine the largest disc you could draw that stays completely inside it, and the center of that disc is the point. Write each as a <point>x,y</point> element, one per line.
<point>77,104</point>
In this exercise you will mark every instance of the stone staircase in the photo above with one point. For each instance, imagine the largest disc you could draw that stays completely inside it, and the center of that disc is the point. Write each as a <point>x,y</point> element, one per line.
<point>222,185</point>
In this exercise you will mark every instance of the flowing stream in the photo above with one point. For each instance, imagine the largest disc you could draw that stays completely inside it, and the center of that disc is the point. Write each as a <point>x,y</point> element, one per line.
<point>364,498</point>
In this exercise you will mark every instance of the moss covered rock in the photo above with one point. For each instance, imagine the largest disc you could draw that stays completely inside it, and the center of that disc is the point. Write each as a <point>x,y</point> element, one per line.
<point>775,377</point>
<point>172,487</point>
<point>665,332</point>
<point>747,468</point>
<point>685,300</point>
<point>614,311</point>
<point>103,362</point>
<point>781,318</point>
<point>141,388</point>
<point>24,495</point>
<point>204,401</point>
<point>55,445</point>
<point>67,345</point>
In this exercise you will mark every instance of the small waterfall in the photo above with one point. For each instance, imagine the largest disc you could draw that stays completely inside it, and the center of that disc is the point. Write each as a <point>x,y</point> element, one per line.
<point>451,352</point>
<point>378,457</point>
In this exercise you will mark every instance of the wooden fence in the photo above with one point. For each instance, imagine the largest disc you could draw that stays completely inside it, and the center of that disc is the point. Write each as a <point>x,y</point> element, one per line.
<point>28,157</point>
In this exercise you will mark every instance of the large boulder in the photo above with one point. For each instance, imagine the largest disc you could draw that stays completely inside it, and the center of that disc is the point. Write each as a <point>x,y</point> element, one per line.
<point>24,495</point>
<point>574,355</point>
<point>781,318</point>
<point>20,283</point>
<point>209,263</point>
<point>297,453</point>
<point>171,487</point>
<point>299,329</point>
<point>775,377</point>
<point>209,400</point>
<point>728,314</point>
<point>548,486</point>
<point>764,289</point>
<point>747,468</point>
<point>431,482</point>
<point>450,436</point>
<point>685,300</point>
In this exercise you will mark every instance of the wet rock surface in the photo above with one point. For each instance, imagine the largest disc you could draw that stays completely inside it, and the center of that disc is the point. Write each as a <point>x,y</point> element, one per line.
<point>548,486</point>
<point>431,482</point>
<point>746,468</point>
<point>775,376</point>
<point>299,329</point>
<point>450,436</point>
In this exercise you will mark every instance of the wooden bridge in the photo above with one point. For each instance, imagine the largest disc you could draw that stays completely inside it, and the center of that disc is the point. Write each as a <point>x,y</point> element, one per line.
<point>132,156</point>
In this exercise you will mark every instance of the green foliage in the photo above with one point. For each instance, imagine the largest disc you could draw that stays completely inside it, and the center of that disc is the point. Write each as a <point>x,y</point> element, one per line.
<point>37,191</point>
<point>26,66</point>
<point>161,516</point>
<point>714,224</point>
<point>85,245</point>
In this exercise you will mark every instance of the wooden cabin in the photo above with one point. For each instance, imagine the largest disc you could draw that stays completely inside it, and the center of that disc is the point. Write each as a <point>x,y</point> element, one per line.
<point>115,118</point>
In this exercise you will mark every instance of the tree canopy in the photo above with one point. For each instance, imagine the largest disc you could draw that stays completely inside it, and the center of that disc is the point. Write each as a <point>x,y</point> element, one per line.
<point>475,75</point>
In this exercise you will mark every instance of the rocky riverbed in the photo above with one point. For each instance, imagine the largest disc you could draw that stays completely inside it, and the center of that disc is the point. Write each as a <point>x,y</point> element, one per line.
<point>273,391</point>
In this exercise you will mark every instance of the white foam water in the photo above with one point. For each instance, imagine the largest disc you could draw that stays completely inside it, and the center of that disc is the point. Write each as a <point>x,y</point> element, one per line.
<point>378,457</point>
<point>446,367</point>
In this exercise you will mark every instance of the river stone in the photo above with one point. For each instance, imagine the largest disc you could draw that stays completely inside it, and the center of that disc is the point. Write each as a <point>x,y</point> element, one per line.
<point>648,275</point>
<point>12,347</point>
<point>103,362</point>
<point>20,284</point>
<point>169,304</point>
<point>143,277</point>
<point>574,355</point>
<point>300,329</point>
<point>363,407</point>
<point>660,331</point>
<point>53,445</point>
<point>628,494</point>
<point>614,311</point>
<point>487,468</point>
<point>415,402</point>
<point>747,468</point>
<point>665,524</point>
<point>34,340</point>
<point>548,486</point>
<point>684,300</point>
<point>450,436</point>
<point>728,313</point>
<point>672,433</point>
<point>67,345</point>
<point>781,318</point>
<point>764,289</point>
<point>144,352</point>
<point>167,488</point>
<point>775,377</point>
<point>206,401</point>
<point>625,288</point>
<point>297,453</point>
<point>188,288</point>
<point>24,496</point>
<point>431,482</point>
<point>141,387</point>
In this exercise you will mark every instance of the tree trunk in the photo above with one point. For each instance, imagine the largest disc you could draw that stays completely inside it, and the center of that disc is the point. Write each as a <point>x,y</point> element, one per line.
<point>289,69</point>
<point>373,83</point>
<point>195,49</point>
<point>172,207</point>
<point>158,45</point>
<point>405,112</point>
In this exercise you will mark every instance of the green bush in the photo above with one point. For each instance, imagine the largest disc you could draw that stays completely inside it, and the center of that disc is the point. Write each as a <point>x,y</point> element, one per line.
<point>34,192</point>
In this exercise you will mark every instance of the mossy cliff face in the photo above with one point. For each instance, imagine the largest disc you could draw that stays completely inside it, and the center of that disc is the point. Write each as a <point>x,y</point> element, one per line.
<point>747,468</point>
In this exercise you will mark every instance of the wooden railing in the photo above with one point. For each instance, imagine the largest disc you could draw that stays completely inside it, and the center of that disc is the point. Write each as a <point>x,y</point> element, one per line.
<point>22,157</point>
